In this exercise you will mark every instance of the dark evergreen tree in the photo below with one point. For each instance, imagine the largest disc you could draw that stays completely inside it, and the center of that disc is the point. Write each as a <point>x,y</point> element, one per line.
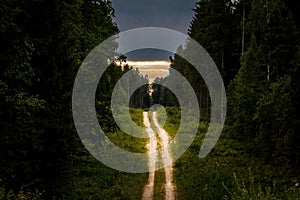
<point>43,45</point>
<point>260,105</point>
<point>217,28</point>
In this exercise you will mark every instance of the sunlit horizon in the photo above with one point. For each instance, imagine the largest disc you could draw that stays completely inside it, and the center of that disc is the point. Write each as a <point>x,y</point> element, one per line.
<point>148,62</point>
<point>153,68</point>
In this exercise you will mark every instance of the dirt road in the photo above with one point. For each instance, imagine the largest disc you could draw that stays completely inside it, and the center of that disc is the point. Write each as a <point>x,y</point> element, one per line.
<point>166,156</point>
<point>151,146</point>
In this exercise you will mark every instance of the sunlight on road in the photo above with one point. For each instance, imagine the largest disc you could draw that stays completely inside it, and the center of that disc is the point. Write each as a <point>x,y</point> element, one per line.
<point>167,159</point>
<point>151,146</point>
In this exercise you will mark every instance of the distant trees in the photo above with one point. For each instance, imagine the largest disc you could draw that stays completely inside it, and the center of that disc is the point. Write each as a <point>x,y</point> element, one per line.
<point>114,72</point>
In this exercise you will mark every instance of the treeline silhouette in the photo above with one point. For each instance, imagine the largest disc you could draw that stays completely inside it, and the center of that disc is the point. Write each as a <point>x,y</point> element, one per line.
<point>255,45</point>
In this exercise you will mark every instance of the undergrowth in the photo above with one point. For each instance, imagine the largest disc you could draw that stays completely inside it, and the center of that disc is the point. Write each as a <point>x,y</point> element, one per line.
<point>230,171</point>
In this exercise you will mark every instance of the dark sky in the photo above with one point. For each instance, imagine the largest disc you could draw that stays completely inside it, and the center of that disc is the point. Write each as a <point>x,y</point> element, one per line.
<point>172,14</point>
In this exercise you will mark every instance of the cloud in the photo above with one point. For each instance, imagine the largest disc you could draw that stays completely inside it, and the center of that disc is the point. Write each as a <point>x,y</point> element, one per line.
<point>174,14</point>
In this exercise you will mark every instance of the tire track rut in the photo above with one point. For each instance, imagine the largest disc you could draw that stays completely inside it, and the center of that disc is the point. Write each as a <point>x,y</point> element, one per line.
<point>164,139</point>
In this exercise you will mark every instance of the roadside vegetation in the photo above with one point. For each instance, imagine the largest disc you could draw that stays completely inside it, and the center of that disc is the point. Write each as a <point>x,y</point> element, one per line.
<point>230,171</point>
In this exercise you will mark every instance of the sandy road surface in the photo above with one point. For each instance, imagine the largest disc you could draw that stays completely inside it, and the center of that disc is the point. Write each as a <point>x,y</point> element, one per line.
<point>167,159</point>
<point>151,146</point>
<point>152,156</point>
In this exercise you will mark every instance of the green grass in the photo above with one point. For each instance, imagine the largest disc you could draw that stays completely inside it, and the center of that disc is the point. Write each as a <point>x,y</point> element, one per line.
<point>159,185</point>
<point>90,179</point>
<point>93,180</point>
<point>21,195</point>
<point>169,119</point>
<point>229,171</point>
<point>128,142</point>
<point>253,190</point>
